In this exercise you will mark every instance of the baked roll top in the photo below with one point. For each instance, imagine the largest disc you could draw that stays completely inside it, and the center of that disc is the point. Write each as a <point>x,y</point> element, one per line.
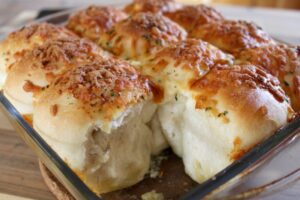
<point>234,109</point>
<point>232,36</point>
<point>154,6</point>
<point>283,62</point>
<point>25,39</point>
<point>173,68</point>
<point>94,21</point>
<point>38,67</point>
<point>138,35</point>
<point>190,17</point>
<point>94,117</point>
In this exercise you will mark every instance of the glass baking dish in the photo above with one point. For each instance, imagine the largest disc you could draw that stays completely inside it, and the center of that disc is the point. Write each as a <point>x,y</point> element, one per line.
<point>242,179</point>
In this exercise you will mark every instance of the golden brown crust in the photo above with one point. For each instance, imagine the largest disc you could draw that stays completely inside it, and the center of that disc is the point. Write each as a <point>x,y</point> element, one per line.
<point>280,60</point>
<point>191,16</point>
<point>95,20</point>
<point>104,85</point>
<point>45,31</point>
<point>154,6</point>
<point>277,59</point>
<point>140,33</point>
<point>68,51</point>
<point>29,37</point>
<point>173,67</point>
<point>239,77</point>
<point>154,27</point>
<point>50,60</point>
<point>197,54</point>
<point>37,68</point>
<point>232,36</point>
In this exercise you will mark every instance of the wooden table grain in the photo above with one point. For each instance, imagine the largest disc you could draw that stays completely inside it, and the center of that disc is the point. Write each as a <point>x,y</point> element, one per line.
<point>19,171</point>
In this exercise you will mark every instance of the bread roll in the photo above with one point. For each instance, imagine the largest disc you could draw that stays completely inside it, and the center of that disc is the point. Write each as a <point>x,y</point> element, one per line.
<point>232,36</point>
<point>154,6</point>
<point>174,67</point>
<point>138,35</point>
<point>234,109</point>
<point>197,15</point>
<point>94,117</point>
<point>95,21</point>
<point>39,66</point>
<point>28,37</point>
<point>283,62</point>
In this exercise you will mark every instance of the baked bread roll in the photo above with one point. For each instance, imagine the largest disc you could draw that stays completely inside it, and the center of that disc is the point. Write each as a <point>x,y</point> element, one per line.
<point>197,15</point>
<point>154,6</point>
<point>233,109</point>
<point>95,21</point>
<point>283,62</point>
<point>174,67</point>
<point>27,38</point>
<point>232,36</point>
<point>138,35</point>
<point>94,117</point>
<point>39,66</point>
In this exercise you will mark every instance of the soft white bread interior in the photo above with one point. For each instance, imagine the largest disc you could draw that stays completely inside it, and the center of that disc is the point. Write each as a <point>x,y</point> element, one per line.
<point>28,37</point>
<point>94,116</point>
<point>233,109</point>
<point>39,66</point>
<point>159,142</point>
<point>94,21</point>
<point>282,61</point>
<point>137,36</point>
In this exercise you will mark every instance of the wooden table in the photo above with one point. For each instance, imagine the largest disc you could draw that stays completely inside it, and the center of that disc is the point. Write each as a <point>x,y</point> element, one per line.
<point>19,170</point>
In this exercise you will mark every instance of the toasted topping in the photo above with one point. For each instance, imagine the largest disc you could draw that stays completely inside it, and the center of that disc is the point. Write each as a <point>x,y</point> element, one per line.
<point>279,60</point>
<point>54,109</point>
<point>154,27</point>
<point>232,36</point>
<point>30,87</point>
<point>173,67</point>
<point>154,6</point>
<point>11,49</point>
<point>158,93</point>
<point>95,20</point>
<point>239,77</point>
<point>106,84</point>
<point>192,54</point>
<point>238,151</point>
<point>28,119</point>
<point>139,34</point>
<point>189,16</point>
<point>43,30</point>
<point>69,51</point>
<point>40,66</point>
